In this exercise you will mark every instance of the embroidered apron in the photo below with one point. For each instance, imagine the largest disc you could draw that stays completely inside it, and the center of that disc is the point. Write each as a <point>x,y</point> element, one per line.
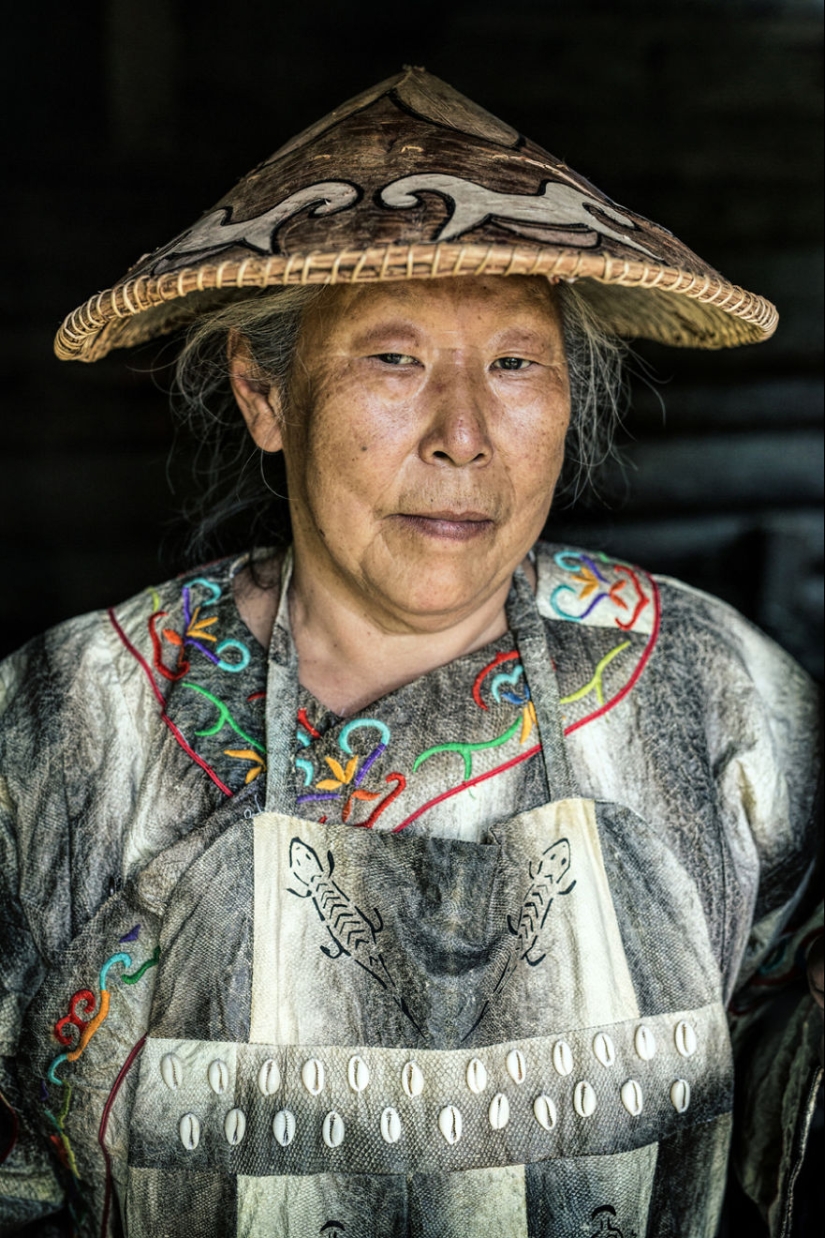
<point>322,1030</point>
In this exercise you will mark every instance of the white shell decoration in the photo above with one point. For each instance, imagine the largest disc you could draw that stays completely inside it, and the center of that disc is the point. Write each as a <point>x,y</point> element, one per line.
<point>584,1099</point>
<point>604,1049</point>
<point>333,1130</point>
<point>516,1066</point>
<point>632,1098</point>
<point>358,1075</point>
<point>312,1076</point>
<point>412,1080</point>
<point>234,1126</point>
<point>218,1076</point>
<point>685,1038</point>
<point>544,1111</point>
<point>450,1123</point>
<point>644,1043</point>
<point>680,1095</point>
<point>499,1111</point>
<point>189,1129</point>
<point>562,1058</point>
<point>171,1071</point>
<point>390,1126</point>
<point>283,1127</point>
<point>269,1077</point>
<point>476,1075</point>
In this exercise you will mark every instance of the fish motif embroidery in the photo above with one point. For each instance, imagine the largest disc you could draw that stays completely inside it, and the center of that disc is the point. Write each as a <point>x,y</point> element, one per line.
<point>352,932</point>
<point>547,875</point>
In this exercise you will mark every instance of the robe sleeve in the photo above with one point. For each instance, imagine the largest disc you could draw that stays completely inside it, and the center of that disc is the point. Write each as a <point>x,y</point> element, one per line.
<point>772,782</point>
<point>30,770</point>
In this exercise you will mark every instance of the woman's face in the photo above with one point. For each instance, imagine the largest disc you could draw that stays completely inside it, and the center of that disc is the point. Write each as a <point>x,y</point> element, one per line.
<point>424,440</point>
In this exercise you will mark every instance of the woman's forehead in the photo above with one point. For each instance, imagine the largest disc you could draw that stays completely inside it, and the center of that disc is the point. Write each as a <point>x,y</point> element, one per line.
<point>418,304</point>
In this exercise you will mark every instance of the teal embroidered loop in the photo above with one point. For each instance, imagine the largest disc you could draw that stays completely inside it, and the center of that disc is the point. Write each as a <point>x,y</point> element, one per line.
<point>235,667</point>
<point>346,731</point>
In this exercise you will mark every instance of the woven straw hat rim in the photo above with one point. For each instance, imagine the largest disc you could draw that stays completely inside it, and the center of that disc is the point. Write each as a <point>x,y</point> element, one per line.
<point>99,325</point>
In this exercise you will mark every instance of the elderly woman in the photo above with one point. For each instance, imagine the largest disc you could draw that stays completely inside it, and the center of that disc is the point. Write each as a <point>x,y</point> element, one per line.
<point>417,878</point>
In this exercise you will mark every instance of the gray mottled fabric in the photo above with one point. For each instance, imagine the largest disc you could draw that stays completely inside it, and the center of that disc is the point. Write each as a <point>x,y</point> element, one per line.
<point>491,956</point>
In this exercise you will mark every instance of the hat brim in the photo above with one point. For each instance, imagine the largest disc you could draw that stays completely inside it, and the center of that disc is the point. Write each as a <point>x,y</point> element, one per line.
<point>634,299</point>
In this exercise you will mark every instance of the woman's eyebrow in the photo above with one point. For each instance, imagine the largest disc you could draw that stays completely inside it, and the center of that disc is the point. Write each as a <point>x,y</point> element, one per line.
<point>395,329</point>
<point>523,337</point>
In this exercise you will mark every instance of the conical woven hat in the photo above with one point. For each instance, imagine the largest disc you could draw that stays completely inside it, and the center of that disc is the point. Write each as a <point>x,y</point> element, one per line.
<point>413,181</point>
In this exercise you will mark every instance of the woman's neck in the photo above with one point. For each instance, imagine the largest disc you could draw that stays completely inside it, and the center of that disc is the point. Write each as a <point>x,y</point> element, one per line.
<point>344,659</point>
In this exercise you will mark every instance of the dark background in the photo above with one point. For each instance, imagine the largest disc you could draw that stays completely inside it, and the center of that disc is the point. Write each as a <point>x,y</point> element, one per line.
<point>127,118</point>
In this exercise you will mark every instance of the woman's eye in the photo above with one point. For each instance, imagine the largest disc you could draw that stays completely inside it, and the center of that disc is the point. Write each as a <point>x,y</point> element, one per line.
<point>395,358</point>
<point>512,363</point>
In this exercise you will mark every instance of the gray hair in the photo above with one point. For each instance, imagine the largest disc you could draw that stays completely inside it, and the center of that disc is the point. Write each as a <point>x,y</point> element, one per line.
<point>241,491</point>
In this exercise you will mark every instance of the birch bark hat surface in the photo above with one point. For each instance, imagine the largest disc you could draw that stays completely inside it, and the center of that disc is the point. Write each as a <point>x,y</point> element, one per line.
<point>411,180</point>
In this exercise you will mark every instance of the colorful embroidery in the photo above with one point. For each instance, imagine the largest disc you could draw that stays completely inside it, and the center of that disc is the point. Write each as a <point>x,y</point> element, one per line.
<point>500,682</point>
<point>592,585</point>
<point>176,656</point>
<point>192,653</point>
<point>597,591</point>
<point>85,1016</point>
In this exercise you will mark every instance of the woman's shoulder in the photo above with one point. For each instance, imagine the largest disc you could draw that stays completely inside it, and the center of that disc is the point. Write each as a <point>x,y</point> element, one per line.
<point>600,590</point>
<point>626,629</point>
<point>145,644</point>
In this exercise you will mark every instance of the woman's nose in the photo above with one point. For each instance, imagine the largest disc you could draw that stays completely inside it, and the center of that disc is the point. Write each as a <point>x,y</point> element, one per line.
<point>457,417</point>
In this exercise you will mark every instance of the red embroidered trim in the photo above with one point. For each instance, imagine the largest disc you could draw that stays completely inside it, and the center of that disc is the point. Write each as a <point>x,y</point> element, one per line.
<point>400,783</point>
<point>183,666</point>
<point>187,748</point>
<point>101,1134</point>
<point>634,678</point>
<point>491,666</point>
<point>307,725</point>
<point>471,782</point>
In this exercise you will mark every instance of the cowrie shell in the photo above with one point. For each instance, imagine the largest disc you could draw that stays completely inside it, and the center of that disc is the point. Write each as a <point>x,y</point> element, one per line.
<point>312,1076</point>
<point>218,1076</point>
<point>358,1074</point>
<point>584,1099</point>
<point>680,1095</point>
<point>644,1043</point>
<point>604,1049</point>
<point>632,1098</point>
<point>189,1129</point>
<point>544,1111</point>
<point>516,1066</point>
<point>450,1123</point>
<point>562,1058</point>
<point>333,1130</point>
<point>412,1080</point>
<point>234,1126</point>
<point>390,1126</point>
<point>685,1038</point>
<point>171,1071</point>
<point>269,1077</point>
<point>499,1112</point>
<point>283,1127</point>
<point>476,1075</point>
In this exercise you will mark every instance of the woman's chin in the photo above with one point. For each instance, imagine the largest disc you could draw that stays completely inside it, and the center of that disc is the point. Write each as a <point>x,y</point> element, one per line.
<point>433,597</point>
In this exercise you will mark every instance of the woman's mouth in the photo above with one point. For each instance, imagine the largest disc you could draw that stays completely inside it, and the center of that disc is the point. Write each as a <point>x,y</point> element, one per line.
<point>451,526</point>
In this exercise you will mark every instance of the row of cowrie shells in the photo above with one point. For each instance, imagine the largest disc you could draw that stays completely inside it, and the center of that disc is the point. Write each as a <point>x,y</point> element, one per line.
<point>450,1120</point>
<point>313,1074</point>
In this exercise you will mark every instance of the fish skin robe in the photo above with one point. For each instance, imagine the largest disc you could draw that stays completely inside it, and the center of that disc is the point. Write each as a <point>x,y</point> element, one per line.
<point>417,989</point>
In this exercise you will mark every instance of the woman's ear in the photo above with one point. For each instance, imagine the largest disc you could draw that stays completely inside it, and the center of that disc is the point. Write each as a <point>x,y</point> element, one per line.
<point>258,400</point>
